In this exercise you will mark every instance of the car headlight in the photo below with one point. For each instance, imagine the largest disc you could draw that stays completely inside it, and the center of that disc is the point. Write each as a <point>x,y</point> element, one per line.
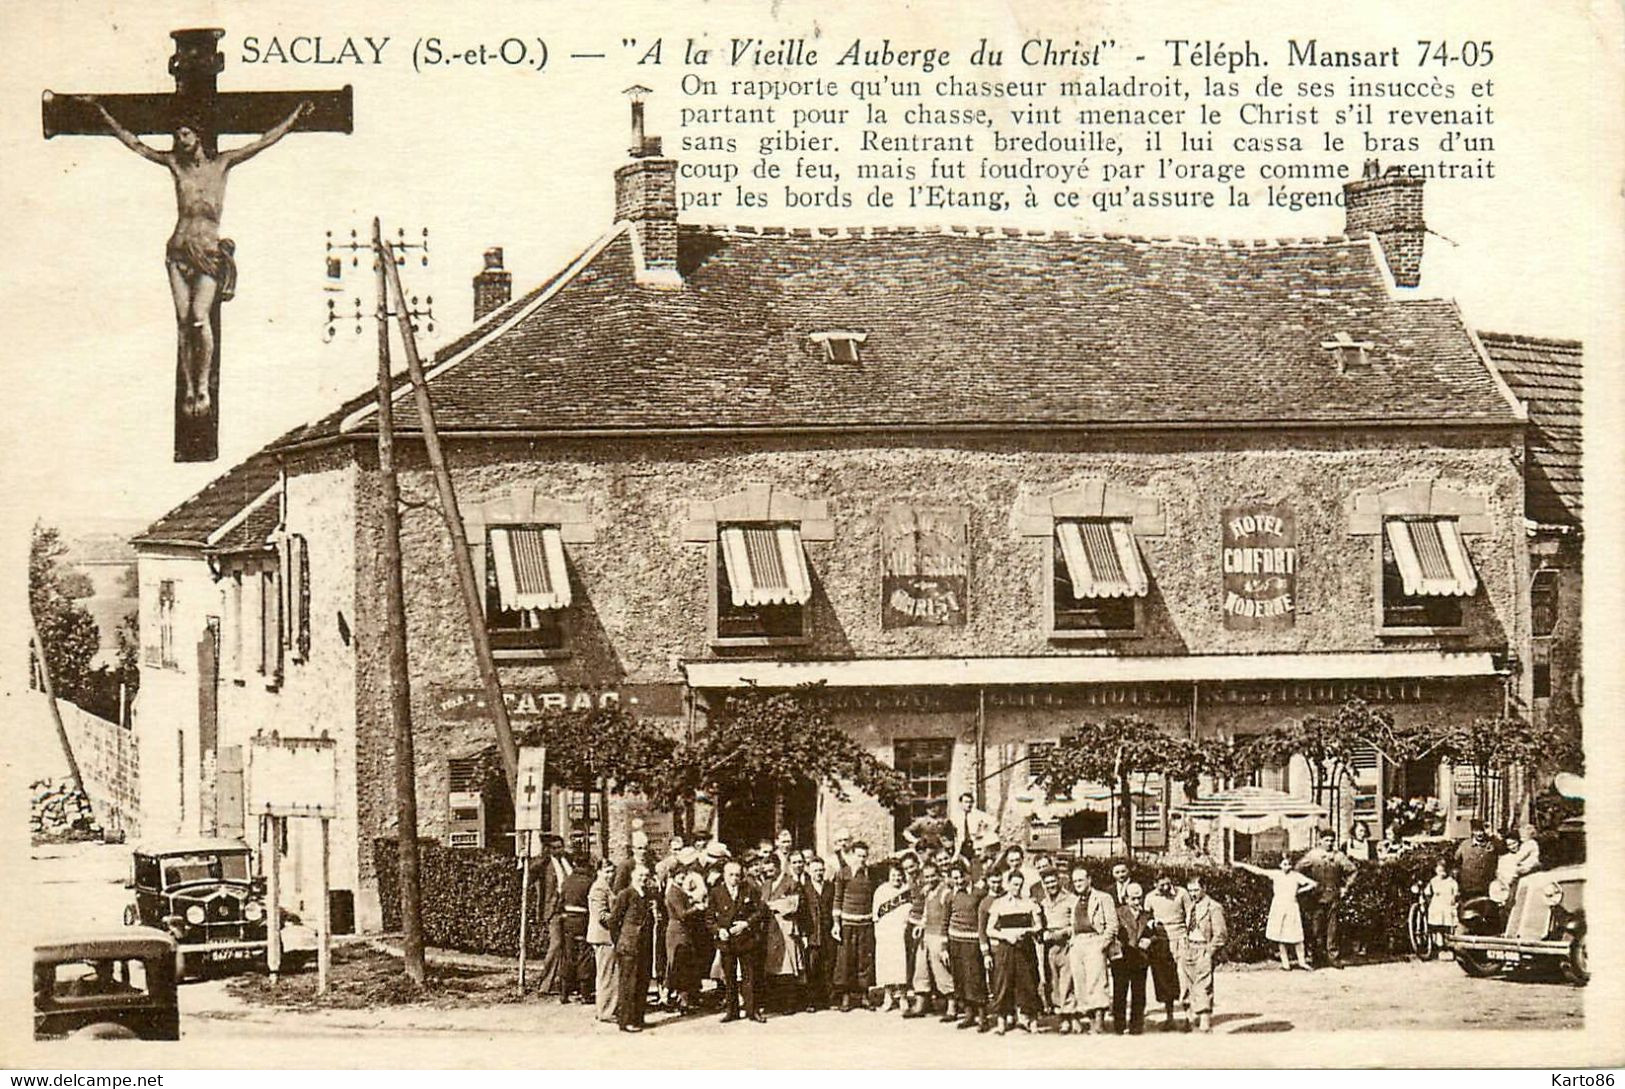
<point>194,915</point>
<point>253,911</point>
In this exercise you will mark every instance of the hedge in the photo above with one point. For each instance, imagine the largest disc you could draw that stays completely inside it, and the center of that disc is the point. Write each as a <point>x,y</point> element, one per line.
<point>471,898</point>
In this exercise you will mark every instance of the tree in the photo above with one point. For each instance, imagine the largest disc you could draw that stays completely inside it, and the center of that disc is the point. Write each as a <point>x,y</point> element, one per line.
<point>1328,744</point>
<point>611,749</point>
<point>66,629</point>
<point>1112,752</point>
<point>763,745</point>
<point>1493,745</point>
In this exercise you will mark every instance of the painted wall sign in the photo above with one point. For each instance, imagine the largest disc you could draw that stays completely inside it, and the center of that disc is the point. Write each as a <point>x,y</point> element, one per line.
<point>1260,564</point>
<point>529,701</point>
<point>924,567</point>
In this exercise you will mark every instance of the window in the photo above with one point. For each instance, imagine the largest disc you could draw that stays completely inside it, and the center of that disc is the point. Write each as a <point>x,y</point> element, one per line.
<point>1038,757</point>
<point>840,345</point>
<point>925,763</point>
<point>294,559</point>
<point>166,624</point>
<point>1543,601</point>
<point>763,583</point>
<point>1426,573</point>
<point>1096,577</point>
<point>1543,680</point>
<point>270,631</point>
<point>234,606</point>
<point>527,588</point>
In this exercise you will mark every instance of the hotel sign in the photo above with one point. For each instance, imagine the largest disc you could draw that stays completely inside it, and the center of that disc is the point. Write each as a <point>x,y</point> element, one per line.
<point>924,564</point>
<point>1260,564</point>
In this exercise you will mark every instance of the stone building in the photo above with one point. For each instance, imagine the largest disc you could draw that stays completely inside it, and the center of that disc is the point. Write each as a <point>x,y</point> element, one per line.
<point>980,483</point>
<point>1545,374</point>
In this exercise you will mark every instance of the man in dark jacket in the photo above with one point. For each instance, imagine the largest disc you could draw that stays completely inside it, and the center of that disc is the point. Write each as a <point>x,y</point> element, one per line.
<point>632,927</point>
<point>855,929</point>
<point>1476,861</point>
<point>576,973</point>
<point>819,897</point>
<point>549,869</point>
<point>1332,871</point>
<point>735,917</point>
<point>1136,929</point>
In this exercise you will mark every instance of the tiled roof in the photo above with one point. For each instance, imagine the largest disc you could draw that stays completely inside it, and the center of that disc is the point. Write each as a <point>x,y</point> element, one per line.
<point>193,521</point>
<point>1545,375</point>
<point>974,328</point>
<point>989,329</point>
<point>252,533</point>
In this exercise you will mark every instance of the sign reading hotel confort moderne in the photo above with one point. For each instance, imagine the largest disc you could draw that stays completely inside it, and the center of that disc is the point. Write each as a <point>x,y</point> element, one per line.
<point>1260,564</point>
<point>924,560</point>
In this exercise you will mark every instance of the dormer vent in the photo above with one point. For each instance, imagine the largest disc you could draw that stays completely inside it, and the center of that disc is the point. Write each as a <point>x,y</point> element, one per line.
<point>840,345</point>
<point>1353,356</point>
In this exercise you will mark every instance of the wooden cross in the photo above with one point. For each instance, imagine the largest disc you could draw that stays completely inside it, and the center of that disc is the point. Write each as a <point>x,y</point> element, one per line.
<point>197,103</point>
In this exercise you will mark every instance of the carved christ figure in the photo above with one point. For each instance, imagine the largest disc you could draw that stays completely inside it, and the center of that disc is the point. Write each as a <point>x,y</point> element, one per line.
<point>199,262</point>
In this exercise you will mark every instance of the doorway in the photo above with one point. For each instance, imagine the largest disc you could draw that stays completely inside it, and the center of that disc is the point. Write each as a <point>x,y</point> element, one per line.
<point>746,819</point>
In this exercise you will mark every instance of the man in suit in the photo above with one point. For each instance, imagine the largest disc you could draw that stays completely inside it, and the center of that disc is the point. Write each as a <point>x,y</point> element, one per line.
<point>735,916</point>
<point>1205,933</point>
<point>819,896</point>
<point>602,942</point>
<point>632,925</point>
<point>552,869</point>
<point>1135,926</point>
<point>1120,883</point>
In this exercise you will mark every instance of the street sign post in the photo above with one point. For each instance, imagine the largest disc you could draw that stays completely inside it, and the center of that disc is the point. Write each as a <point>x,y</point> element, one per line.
<point>294,777</point>
<point>529,798</point>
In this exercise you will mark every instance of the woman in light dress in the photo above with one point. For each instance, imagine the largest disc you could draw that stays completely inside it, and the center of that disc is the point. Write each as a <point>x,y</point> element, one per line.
<point>1285,924</point>
<point>1442,894</point>
<point>891,935</point>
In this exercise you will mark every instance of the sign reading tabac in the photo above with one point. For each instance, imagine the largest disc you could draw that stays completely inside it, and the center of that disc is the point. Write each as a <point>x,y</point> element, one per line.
<point>924,564</point>
<point>1260,563</point>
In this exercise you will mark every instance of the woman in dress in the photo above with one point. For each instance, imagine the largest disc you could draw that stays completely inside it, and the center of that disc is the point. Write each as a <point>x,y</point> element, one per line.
<point>1285,924</point>
<point>687,950</point>
<point>891,905</point>
<point>1012,920</point>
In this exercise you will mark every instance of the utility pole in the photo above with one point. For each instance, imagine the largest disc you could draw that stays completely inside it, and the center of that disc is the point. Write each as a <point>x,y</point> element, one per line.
<point>50,699</point>
<point>400,691</point>
<point>454,525</point>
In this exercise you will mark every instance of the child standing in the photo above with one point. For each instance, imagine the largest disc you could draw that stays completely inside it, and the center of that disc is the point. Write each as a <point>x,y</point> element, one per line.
<point>1442,894</point>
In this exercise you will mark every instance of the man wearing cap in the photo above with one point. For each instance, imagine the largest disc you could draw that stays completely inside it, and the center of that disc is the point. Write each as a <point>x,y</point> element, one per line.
<point>855,929</point>
<point>716,855</point>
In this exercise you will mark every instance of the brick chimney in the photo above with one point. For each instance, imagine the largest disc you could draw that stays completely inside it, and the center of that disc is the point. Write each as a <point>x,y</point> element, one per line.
<point>646,197</point>
<point>493,284</point>
<point>1388,206</point>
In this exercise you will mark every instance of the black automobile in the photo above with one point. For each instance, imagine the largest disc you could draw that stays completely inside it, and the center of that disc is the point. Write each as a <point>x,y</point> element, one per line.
<point>1543,927</point>
<point>204,894</point>
<point>119,985</point>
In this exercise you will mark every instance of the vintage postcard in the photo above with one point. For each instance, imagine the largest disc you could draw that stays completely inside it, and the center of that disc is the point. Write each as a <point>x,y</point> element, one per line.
<point>1045,534</point>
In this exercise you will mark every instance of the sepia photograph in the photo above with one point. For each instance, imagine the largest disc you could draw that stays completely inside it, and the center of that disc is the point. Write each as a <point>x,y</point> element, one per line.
<point>809,536</point>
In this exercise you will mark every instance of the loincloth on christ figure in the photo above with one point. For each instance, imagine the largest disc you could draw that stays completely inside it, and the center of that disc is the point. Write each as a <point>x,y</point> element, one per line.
<point>194,257</point>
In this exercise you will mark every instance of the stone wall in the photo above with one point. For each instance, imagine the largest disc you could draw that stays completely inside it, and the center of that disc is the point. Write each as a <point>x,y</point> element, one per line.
<point>642,596</point>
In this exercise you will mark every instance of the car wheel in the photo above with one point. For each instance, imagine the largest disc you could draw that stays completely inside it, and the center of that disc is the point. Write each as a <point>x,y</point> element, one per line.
<point>104,1030</point>
<point>1422,939</point>
<point>1474,964</point>
<point>130,915</point>
<point>1577,968</point>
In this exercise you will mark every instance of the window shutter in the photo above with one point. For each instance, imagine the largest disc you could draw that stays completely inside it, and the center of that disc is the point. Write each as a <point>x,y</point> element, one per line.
<point>302,602</point>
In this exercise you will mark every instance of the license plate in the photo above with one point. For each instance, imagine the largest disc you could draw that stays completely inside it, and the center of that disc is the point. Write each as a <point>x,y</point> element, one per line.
<point>221,956</point>
<point>1501,954</point>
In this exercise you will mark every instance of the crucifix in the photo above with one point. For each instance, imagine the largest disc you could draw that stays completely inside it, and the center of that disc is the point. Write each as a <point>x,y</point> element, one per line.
<point>199,263</point>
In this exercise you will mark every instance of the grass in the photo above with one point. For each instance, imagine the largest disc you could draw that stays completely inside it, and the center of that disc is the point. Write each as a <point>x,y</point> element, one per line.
<point>363,977</point>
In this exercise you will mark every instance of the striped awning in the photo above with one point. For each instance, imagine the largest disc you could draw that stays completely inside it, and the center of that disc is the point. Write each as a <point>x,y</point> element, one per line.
<point>1432,559</point>
<point>766,565</point>
<point>1253,809</point>
<point>1102,559</point>
<point>530,568</point>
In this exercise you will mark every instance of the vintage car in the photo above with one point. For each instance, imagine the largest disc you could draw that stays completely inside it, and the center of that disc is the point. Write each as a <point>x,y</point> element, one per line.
<point>205,895</point>
<point>118,985</point>
<point>1544,926</point>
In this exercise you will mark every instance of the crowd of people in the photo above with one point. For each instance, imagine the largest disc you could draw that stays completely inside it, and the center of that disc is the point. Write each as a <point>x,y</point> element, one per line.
<point>981,934</point>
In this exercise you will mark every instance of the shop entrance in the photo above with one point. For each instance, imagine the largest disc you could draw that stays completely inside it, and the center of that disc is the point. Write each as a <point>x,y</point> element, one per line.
<point>746,819</point>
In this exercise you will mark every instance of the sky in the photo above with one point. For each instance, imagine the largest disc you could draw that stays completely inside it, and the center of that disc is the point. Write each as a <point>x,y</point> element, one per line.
<point>499,155</point>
